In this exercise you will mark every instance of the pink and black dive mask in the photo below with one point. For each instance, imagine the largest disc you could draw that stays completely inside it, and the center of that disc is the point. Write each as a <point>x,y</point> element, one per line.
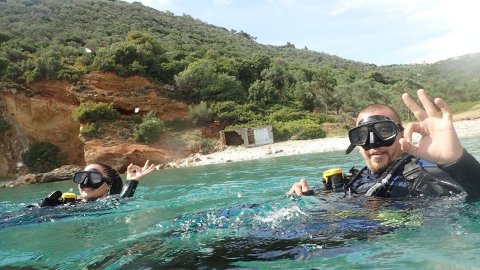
<point>372,132</point>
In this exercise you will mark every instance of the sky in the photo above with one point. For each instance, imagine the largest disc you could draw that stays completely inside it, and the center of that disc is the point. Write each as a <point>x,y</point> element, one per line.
<point>380,32</point>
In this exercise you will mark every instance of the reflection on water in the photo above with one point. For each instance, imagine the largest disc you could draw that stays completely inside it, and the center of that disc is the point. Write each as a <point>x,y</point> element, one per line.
<point>235,216</point>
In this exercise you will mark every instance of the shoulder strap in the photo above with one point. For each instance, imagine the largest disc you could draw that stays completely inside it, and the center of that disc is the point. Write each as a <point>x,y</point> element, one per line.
<point>386,178</point>
<point>358,174</point>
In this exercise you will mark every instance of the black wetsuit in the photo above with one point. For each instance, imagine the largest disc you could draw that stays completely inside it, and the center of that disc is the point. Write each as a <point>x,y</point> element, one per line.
<point>55,198</point>
<point>414,177</point>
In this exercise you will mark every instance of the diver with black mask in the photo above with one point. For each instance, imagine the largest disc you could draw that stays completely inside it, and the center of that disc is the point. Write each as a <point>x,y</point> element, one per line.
<point>97,181</point>
<point>395,167</point>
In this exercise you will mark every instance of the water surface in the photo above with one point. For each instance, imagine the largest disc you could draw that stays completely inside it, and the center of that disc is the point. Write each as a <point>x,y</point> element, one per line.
<point>235,215</point>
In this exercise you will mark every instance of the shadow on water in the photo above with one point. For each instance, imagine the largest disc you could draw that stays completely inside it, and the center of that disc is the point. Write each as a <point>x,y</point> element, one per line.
<point>268,232</point>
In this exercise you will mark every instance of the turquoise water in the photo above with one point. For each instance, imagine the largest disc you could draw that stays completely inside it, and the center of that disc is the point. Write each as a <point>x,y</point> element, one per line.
<point>235,215</point>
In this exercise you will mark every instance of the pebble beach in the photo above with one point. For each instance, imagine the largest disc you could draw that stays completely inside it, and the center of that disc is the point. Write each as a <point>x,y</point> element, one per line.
<point>464,128</point>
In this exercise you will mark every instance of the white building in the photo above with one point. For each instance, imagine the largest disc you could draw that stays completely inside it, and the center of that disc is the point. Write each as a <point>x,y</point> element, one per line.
<point>249,137</point>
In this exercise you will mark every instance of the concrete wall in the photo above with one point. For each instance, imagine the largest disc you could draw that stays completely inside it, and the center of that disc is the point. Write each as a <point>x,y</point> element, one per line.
<point>249,137</point>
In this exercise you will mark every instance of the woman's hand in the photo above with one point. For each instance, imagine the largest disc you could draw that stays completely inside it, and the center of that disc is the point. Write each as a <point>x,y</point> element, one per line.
<point>135,172</point>
<point>439,142</point>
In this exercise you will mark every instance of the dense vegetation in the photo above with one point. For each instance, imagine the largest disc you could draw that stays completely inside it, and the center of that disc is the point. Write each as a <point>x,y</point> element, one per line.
<point>150,129</point>
<point>43,157</point>
<point>240,81</point>
<point>90,112</point>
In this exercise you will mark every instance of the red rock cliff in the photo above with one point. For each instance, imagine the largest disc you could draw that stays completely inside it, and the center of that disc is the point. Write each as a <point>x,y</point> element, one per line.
<point>42,111</point>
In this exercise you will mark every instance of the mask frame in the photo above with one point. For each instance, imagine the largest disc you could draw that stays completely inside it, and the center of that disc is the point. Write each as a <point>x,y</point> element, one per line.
<point>377,131</point>
<point>90,179</point>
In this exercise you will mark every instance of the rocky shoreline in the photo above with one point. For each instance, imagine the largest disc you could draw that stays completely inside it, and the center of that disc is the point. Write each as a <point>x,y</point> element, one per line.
<point>464,128</point>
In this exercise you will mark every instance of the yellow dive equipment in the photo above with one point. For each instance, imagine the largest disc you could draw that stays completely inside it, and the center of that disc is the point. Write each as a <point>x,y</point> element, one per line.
<point>68,197</point>
<point>333,179</point>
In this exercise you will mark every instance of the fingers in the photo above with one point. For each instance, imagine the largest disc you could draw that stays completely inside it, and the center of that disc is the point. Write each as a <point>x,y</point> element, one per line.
<point>146,164</point>
<point>408,147</point>
<point>419,113</point>
<point>130,167</point>
<point>408,132</point>
<point>145,169</point>
<point>135,168</point>
<point>149,169</point>
<point>430,108</point>
<point>406,142</point>
<point>299,187</point>
<point>295,189</point>
<point>447,115</point>
<point>415,127</point>
<point>304,185</point>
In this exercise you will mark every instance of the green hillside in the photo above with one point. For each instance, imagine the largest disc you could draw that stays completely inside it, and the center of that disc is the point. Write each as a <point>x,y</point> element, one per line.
<point>238,80</point>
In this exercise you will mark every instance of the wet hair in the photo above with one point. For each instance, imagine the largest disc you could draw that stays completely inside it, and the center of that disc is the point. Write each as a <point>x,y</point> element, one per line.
<point>378,106</point>
<point>117,184</point>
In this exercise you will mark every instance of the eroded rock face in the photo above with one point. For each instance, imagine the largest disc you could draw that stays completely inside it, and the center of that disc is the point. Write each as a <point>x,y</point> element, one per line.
<point>42,111</point>
<point>24,180</point>
<point>120,154</point>
<point>130,93</point>
<point>37,119</point>
<point>63,173</point>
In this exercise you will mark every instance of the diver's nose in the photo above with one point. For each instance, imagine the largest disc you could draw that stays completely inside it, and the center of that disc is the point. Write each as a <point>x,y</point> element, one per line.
<point>85,180</point>
<point>372,137</point>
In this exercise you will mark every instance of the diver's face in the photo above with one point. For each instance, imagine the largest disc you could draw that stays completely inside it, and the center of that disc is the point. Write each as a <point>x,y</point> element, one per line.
<point>91,194</point>
<point>377,159</point>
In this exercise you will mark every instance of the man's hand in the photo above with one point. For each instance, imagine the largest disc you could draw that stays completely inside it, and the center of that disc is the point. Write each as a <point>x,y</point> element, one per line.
<point>299,188</point>
<point>439,142</point>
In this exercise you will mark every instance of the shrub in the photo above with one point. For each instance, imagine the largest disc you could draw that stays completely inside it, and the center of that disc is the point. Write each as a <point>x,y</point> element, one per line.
<point>42,157</point>
<point>176,124</point>
<point>135,119</point>
<point>4,125</point>
<point>459,107</point>
<point>285,114</point>
<point>4,65</point>
<point>234,113</point>
<point>150,129</point>
<point>80,87</point>
<point>321,118</point>
<point>297,130</point>
<point>206,145</point>
<point>90,131</point>
<point>95,111</point>
<point>200,114</point>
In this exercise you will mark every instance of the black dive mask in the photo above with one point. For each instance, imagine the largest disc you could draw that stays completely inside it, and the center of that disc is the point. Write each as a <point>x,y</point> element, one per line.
<point>372,132</point>
<point>90,179</point>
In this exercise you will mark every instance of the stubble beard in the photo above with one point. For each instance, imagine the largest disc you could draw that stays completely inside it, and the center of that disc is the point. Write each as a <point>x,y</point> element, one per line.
<point>378,165</point>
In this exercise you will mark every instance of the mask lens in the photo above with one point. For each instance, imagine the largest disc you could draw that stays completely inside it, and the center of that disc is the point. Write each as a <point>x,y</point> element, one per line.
<point>358,135</point>
<point>89,179</point>
<point>385,130</point>
<point>79,177</point>
<point>96,177</point>
<point>373,131</point>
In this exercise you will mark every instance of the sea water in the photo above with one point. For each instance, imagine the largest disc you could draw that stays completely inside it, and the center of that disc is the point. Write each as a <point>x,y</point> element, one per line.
<point>235,215</point>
